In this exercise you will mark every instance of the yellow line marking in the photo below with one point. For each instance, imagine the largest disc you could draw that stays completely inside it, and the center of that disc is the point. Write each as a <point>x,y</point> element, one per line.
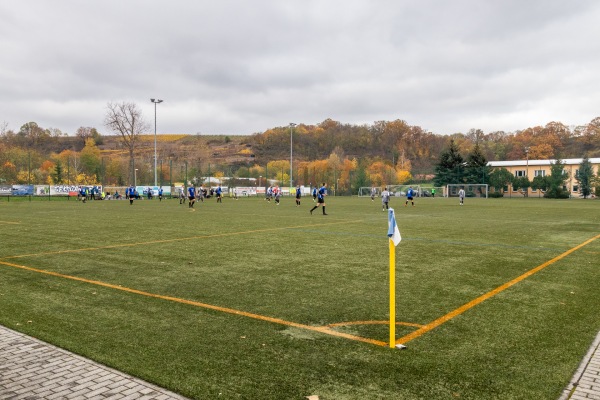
<point>374,323</point>
<point>434,324</point>
<point>9,222</point>
<point>320,329</point>
<point>113,246</point>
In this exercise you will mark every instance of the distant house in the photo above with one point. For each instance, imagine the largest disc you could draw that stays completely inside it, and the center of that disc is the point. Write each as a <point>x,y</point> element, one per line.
<point>533,168</point>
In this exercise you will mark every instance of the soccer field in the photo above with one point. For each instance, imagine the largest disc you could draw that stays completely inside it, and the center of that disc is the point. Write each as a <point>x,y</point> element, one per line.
<point>497,299</point>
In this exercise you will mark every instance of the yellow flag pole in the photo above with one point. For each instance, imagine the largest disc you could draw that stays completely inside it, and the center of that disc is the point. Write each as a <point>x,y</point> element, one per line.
<point>392,294</point>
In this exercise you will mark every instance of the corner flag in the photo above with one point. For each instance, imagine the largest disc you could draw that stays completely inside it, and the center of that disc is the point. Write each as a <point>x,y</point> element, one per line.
<point>394,239</point>
<point>393,232</point>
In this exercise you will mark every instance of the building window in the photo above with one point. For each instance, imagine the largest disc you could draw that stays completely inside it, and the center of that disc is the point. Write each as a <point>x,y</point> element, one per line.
<point>576,173</point>
<point>519,173</point>
<point>576,188</point>
<point>539,172</point>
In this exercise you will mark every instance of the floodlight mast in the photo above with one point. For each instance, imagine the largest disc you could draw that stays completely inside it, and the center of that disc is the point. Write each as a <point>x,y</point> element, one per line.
<point>292,125</point>
<point>155,101</point>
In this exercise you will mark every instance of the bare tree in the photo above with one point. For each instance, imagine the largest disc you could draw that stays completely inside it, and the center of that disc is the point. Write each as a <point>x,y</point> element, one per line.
<point>126,120</point>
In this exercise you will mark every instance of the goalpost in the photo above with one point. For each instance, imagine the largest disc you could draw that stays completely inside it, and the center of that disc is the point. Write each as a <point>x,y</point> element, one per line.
<point>366,191</point>
<point>471,190</point>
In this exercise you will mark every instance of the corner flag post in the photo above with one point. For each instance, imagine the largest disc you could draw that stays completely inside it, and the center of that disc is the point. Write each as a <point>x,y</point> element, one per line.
<point>392,294</point>
<point>394,239</point>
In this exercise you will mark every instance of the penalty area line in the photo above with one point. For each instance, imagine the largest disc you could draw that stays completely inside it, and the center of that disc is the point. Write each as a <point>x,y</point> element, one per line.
<point>442,320</point>
<point>321,329</point>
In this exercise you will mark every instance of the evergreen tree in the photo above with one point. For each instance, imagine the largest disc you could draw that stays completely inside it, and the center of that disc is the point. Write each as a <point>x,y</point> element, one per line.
<point>360,178</point>
<point>556,182</point>
<point>450,168</point>
<point>585,177</point>
<point>57,176</point>
<point>477,170</point>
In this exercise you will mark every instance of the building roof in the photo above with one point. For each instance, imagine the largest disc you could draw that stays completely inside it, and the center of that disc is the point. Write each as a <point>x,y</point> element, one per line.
<point>516,163</point>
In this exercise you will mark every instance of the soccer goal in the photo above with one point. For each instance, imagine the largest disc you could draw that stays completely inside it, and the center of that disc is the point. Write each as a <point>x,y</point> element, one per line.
<point>471,190</point>
<point>432,191</point>
<point>366,192</point>
<point>400,190</point>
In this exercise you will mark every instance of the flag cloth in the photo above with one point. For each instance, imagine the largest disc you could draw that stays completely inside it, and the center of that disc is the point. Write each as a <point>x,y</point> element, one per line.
<point>393,232</point>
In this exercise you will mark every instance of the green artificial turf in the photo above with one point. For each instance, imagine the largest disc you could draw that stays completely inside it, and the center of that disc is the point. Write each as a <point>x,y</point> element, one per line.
<point>313,270</point>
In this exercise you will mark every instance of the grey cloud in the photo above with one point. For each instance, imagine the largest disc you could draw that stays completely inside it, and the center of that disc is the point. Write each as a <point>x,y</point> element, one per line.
<point>241,67</point>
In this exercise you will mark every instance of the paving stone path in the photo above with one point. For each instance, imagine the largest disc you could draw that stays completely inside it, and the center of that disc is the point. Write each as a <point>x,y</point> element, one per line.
<point>31,369</point>
<point>585,384</point>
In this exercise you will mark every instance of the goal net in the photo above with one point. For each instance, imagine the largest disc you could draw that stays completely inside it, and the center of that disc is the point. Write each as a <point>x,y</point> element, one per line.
<point>471,190</point>
<point>400,190</point>
<point>432,191</point>
<point>366,192</point>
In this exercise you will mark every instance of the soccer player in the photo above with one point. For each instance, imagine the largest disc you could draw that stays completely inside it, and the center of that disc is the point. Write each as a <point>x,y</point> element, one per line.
<point>131,194</point>
<point>182,195</point>
<point>320,198</point>
<point>160,193</point>
<point>277,193</point>
<point>269,193</point>
<point>432,192</point>
<point>191,196</point>
<point>219,193</point>
<point>410,196</point>
<point>461,196</point>
<point>314,194</point>
<point>385,199</point>
<point>298,195</point>
<point>373,193</point>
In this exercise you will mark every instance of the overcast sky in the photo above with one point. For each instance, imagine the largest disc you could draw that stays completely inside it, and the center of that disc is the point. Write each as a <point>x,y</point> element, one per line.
<point>240,67</point>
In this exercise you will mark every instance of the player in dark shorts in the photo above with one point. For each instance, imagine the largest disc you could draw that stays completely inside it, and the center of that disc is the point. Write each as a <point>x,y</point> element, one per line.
<point>321,198</point>
<point>191,196</point>
<point>298,195</point>
<point>409,196</point>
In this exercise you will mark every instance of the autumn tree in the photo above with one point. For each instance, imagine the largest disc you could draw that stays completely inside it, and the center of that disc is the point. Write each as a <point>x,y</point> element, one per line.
<point>126,120</point>
<point>32,135</point>
<point>90,158</point>
<point>86,132</point>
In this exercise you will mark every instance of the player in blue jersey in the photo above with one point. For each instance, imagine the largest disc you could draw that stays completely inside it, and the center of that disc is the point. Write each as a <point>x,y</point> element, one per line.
<point>219,193</point>
<point>298,195</point>
<point>160,193</point>
<point>314,194</point>
<point>191,196</point>
<point>321,198</point>
<point>410,193</point>
<point>131,194</point>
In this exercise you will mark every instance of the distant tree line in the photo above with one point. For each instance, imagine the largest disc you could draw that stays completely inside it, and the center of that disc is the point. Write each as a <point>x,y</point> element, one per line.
<point>348,156</point>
